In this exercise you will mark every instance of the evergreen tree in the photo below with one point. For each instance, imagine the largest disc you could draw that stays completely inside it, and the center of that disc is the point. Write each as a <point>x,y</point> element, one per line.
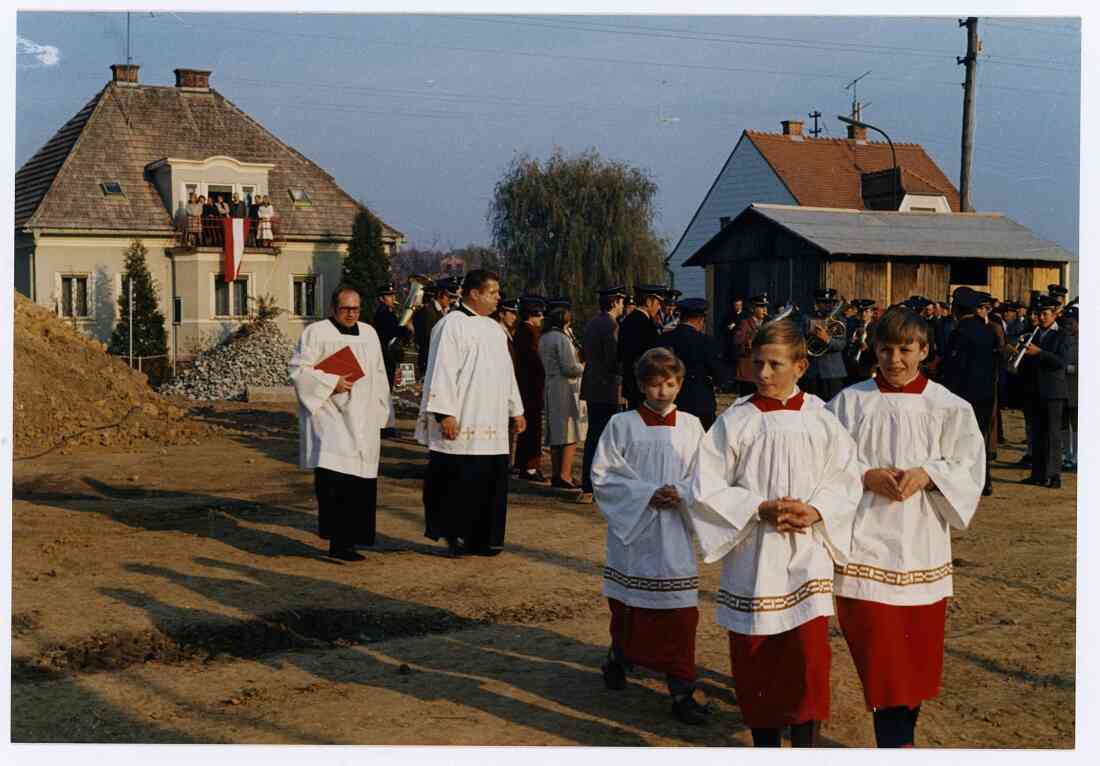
<point>571,225</point>
<point>149,334</point>
<point>366,267</point>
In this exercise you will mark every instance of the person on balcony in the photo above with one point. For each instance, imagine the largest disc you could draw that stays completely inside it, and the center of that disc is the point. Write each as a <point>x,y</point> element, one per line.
<point>264,234</point>
<point>194,220</point>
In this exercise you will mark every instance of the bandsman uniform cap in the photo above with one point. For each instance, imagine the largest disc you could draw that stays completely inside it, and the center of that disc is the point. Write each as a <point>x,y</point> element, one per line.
<point>509,305</point>
<point>862,304</point>
<point>965,298</point>
<point>533,302</point>
<point>985,299</point>
<point>630,301</point>
<point>559,303</point>
<point>1046,302</point>
<point>692,306</point>
<point>641,291</point>
<point>672,294</point>
<point>1070,313</point>
<point>759,300</point>
<point>613,292</point>
<point>824,295</point>
<point>1057,290</point>
<point>386,289</point>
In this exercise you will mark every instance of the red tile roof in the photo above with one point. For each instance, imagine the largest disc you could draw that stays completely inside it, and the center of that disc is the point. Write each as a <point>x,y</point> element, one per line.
<point>825,172</point>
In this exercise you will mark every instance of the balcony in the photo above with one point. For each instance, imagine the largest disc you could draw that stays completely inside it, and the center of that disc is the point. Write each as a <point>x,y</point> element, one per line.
<point>210,232</point>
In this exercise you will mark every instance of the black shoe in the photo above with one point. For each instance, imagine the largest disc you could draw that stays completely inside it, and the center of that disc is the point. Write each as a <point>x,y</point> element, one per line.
<point>487,550</point>
<point>1025,460</point>
<point>344,554</point>
<point>614,675</point>
<point>987,490</point>
<point>687,710</point>
<point>558,483</point>
<point>1033,480</point>
<point>535,476</point>
<point>1054,482</point>
<point>455,548</point>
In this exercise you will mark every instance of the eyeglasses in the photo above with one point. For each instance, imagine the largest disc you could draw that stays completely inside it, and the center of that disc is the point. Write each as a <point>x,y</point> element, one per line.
<point>349,309</point>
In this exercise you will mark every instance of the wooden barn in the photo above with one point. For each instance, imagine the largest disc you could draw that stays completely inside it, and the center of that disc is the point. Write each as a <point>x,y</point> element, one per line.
<point>788,251</point>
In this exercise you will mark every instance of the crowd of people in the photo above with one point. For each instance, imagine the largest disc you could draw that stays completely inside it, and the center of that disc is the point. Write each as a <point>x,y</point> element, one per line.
<point>202,218</point>
<point>859,438</point>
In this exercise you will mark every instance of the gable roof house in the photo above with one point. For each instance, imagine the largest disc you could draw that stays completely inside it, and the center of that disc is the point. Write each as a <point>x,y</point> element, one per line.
<point>123,168</point>
<point>788,214</point>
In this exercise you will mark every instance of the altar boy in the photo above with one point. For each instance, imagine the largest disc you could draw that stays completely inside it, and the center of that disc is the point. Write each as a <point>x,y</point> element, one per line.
<point>922,457</point>
<point>774,492</point>
<point>640,477</point>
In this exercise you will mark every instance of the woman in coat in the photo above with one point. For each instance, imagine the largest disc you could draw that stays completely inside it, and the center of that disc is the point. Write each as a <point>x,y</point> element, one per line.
<point>563,386</point>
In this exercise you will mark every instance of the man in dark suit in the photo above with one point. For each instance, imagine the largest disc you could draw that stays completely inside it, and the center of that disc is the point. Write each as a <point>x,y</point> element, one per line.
<point>385,323</point>
<point>638,334</point>
<point>826,374</point>
<point>969,366</point>
<point>1049,350</point>
<point>602,379</point>
<point>699,354</point>
<point>444,292</point>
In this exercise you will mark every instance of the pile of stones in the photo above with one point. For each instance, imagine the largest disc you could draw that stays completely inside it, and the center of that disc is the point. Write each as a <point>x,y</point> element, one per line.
<point>257,357</point>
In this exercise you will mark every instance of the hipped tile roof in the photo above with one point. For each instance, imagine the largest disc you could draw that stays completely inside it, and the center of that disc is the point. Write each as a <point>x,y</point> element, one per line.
<point>825,172</point>
<point>124,128</point>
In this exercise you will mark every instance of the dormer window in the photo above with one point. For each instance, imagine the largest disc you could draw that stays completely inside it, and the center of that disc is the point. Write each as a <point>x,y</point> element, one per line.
<point>112,189</point>
<point>300,198</point>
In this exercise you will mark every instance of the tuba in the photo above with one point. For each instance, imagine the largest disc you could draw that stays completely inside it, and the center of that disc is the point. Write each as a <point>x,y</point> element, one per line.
<point>413,299</point>
<point>833,326</point>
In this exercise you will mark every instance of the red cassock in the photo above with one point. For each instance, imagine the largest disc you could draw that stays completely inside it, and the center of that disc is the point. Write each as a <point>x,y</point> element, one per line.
<point>898,650</point>
<point>782,679</point>
<point>659,639</point>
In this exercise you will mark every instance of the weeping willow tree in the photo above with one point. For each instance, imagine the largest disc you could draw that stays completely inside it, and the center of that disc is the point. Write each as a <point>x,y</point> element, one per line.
<point>571,225</point>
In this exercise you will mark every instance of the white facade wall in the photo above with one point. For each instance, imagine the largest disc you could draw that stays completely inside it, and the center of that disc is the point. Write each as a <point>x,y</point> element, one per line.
<point>744,179</point>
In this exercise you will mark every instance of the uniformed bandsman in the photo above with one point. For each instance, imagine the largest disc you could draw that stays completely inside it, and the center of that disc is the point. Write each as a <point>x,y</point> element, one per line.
<point>531,378</point>
<point>857,356</point>
<point>825,378</point>
<point>699,354</point>
<point>386,324</point>
<point>637,334</point>
<point>1050,352</point>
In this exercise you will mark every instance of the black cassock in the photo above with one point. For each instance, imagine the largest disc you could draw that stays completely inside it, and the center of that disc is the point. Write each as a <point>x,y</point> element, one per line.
<point>466,496</point>
<point>346,507</point>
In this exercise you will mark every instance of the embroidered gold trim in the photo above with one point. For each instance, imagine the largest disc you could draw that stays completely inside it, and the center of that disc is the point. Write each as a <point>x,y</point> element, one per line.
<point>650,584</point>
<point>774,603</point>
<point>890,577</point>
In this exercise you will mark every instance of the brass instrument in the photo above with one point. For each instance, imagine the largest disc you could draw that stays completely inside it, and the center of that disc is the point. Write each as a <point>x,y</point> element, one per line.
<point>859,337</point>
<point>785,312</point>
<point>414,298</point>
<point>833,326</point>
<point>1019,351</point>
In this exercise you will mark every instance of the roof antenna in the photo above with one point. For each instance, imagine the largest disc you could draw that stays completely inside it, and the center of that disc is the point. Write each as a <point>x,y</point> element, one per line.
<point>815,116</point>
<point>857,108</point>
<point>129,60</point>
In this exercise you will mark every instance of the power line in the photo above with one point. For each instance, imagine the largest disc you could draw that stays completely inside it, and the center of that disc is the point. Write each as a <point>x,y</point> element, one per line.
<point>1054,29</point>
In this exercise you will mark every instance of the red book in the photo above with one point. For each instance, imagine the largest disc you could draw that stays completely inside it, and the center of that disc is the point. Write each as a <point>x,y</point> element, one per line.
<point>343,362</point>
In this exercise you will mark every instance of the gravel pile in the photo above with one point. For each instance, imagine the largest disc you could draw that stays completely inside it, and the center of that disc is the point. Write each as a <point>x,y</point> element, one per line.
<point>256,358</point>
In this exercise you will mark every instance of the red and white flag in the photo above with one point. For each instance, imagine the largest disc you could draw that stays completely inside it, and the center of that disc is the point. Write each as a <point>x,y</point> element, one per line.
<point>236,234</point>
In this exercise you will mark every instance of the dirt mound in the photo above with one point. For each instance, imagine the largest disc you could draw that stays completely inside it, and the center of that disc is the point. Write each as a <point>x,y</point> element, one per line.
<point>70,391</point>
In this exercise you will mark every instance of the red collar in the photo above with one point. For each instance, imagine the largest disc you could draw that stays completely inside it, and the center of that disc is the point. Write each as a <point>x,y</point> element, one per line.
<point>766,404</point>
<point>915,386</point>
<point>651,418</point>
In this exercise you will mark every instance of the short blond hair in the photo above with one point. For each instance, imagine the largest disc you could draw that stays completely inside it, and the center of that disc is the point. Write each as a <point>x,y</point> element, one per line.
<point>658,364</point>
<point>782,332</point>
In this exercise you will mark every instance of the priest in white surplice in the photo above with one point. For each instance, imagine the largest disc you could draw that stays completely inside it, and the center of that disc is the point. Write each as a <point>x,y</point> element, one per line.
<point>922,458</point>
<point>470,400</point>
<point>340,422</point>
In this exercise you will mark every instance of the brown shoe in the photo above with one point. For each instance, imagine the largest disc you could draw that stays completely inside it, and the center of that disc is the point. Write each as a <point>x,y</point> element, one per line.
<point>584,498</point>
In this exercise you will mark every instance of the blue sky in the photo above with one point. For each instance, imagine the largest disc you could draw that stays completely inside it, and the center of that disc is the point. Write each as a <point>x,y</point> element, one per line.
<point>419,115</point>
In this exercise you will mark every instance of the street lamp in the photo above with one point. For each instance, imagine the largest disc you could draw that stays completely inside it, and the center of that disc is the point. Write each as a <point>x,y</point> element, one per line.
<point>893,154</point>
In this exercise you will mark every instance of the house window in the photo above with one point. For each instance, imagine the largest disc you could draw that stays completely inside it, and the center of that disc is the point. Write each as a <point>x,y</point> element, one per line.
<point>112,188</point>
<point>300,198</point>
<point>230,299</point>
<point>305,296</point>
<point>248,193</point>
<point>74,295</point>
<point>969,272</point>
<point>225,193</point>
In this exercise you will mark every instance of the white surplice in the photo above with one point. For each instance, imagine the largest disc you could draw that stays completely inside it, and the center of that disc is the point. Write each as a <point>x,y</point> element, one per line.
<point>650,555</point>
<point>774,581</point>
<point>901,552</point>
<point>340,432</point>
<point>469,375</point>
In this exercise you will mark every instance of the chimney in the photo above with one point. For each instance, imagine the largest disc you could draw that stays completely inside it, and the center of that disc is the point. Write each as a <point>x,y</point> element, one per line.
<point>193,79</point>
<point>857,133</point>
<point>792,127</point>
<point>125,74</point>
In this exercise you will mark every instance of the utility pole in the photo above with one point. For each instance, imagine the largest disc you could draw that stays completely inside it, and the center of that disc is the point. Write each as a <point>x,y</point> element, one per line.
<point>129,60</point>
<point>973,47</point>
<point>815,116</point>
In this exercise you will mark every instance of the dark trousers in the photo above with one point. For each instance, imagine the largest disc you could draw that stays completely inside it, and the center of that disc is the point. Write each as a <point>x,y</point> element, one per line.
<point>529,443</point>
<point>598,415</point>
<point>346,507</point>
<point>824,388</point>
<point>466,496</point>
<point>1029,406</point>
<point>1047,462</point>
<point>983,412</point>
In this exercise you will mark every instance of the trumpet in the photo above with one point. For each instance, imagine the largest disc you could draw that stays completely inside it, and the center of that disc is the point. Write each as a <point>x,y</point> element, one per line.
<point>1020,349</point>
<point>833,326</point>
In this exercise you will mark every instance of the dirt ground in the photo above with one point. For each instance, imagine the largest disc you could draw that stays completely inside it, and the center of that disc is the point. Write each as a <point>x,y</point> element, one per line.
<point>179,595</point>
